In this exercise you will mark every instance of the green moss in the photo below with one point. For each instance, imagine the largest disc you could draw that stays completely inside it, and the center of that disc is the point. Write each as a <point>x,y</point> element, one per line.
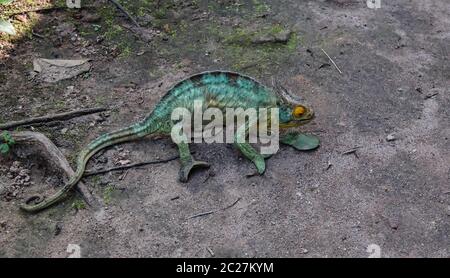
<point>108,194</point>
<point>239,36</point>
<point>95,180</point>
<point>113,32</point>
<point>78,204</point>
<point>243,36</point>
<point>125,50</point>
<point>101,100</point>
<point>260,7</point>
<point>161,13</point>
<point>59,104</point>
<point>293,42</point>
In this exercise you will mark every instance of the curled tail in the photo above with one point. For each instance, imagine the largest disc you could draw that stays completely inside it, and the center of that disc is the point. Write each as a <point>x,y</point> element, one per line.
<point>130,133</point>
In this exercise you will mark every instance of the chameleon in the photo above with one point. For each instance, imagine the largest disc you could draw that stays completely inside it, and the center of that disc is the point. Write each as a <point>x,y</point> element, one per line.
<point>219,89</point>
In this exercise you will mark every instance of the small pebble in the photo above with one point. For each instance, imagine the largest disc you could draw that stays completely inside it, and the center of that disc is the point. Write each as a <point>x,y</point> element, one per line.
<point>314,186</point>
<point>57,229</point>
<point>391,137</point>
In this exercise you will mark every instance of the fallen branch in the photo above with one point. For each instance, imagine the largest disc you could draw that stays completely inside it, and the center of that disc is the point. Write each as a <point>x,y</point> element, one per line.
<point>331,61</point>
<point>53,154</point>
<point>37,35</point>
<point>51,118</point>
<point>37,10</point>
<point>122,9</point>
<point>119,168</point>
<point>214,211</point>
<point>46,10</point>
<point>210,251</point>
<point>201,214</point>
<point>352,151</point>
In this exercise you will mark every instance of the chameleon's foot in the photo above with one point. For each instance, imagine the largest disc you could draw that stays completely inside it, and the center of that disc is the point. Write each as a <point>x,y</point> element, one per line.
<point>266,156</point>
<point>260,164</point>
<point>186,169</point>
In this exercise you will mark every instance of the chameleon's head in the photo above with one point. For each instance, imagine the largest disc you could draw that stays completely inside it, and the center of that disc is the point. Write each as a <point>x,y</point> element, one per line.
<point>294,115</point>
<point>291,112</point>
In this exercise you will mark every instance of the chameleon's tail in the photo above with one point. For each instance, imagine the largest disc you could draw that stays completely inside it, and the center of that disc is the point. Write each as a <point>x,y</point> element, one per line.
<point>130,133</point>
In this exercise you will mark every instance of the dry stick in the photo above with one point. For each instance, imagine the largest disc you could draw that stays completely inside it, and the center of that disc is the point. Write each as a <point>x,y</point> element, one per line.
<point>201,214</point>
<point>214,211</point>
<point>118,168</point>
<point>352,150</point>
<point>43,10</point>
<point>37,35</point>
<point>51,118</point>
<point>46,10</point>
<point>121,8</point>
<point>210,251</point>
<point>55,155</point>
<point>331,61</point>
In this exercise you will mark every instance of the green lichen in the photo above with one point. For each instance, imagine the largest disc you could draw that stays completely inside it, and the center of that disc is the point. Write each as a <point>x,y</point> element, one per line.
<point>95,180</point>
<point>78,204</point>
<point>293,43</point>
<point>260,7</point>
<point>6,142</point>
<point>115,35</point>
<point>108,194</point>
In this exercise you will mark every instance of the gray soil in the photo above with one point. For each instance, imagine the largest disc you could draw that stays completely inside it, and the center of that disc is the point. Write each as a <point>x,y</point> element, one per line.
<point>391,104</point>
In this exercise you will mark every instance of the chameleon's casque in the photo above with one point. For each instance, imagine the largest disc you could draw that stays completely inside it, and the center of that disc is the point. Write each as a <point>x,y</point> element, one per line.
<point>219,89</point>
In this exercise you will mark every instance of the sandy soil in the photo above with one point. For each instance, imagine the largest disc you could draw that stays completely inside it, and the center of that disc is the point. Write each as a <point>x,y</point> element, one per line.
<point>395,82</point>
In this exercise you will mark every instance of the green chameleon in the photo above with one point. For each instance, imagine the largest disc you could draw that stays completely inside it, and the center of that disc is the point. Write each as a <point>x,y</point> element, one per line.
<point>219,89</point>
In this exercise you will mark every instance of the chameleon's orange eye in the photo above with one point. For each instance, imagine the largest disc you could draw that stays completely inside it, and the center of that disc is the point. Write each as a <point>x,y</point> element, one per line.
<point>298,111</point>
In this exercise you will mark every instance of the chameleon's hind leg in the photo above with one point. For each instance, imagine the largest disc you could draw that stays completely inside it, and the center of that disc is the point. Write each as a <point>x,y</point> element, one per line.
<point>247,150</point>
<point>187,161</point>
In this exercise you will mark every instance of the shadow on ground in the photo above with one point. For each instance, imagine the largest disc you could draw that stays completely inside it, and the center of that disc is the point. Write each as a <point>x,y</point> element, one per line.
<point>394,85</point>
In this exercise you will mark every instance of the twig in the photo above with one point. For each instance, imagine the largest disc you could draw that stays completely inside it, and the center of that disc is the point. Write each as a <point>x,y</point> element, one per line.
<point>53,154</point>
<point>47,9</point>
<point>118,168</point>
<point>202,214</point>
<point>51,118</point>
<point>233,204</point>
<point>352,151</point>
<point>210,251</point>
<point>214,211</point>
<point>331,61</point>
<point>210,175</point>
<point>431,95</point>
<point>37,35</point>
<point>122,9</point>
<point>43,10</point>
<point>253,174</point>
<point>123,175</point>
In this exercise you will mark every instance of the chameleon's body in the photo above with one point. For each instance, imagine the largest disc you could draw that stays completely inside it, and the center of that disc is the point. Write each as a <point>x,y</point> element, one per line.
<point>219,89</point>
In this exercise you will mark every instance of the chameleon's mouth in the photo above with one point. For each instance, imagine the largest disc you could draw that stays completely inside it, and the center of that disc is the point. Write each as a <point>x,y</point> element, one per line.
<point>295,123</point>
<point>308,118</point>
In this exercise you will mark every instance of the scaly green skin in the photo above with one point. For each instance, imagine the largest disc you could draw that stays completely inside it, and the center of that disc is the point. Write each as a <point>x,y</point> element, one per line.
<point>219,89</point>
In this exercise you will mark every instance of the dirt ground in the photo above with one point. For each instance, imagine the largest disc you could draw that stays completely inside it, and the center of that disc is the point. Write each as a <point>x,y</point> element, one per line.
<point>390,105</point>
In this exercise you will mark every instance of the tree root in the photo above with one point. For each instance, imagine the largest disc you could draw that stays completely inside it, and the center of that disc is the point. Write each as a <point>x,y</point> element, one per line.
<point>55,156</point>
<point>51,118</point>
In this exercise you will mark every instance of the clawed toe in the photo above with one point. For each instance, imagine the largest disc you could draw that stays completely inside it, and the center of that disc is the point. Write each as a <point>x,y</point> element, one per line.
<point>186,169</point>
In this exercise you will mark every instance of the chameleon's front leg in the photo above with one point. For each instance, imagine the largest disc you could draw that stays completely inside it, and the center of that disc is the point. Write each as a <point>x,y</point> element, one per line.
<point>247,150</point>
<point>187,161</point>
